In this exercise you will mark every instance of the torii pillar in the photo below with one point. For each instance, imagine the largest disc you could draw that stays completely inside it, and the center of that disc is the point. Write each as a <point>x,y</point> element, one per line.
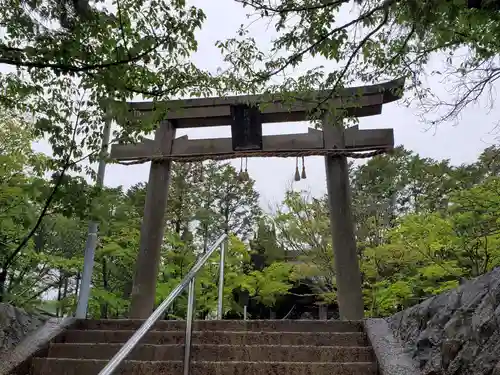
<point>347,270</point>
<point>153,226</point>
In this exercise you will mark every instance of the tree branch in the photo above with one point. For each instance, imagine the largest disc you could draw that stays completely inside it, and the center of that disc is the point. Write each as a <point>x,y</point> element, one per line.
<point>287,9</point>
<point>72,68</point>
<point>354,53</point>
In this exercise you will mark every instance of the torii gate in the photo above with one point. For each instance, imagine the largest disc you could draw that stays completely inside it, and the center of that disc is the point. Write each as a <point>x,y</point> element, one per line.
<point>246,114</point>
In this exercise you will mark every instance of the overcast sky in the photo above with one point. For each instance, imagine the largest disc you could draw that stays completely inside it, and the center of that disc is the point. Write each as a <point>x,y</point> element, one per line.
<point>461,143</point>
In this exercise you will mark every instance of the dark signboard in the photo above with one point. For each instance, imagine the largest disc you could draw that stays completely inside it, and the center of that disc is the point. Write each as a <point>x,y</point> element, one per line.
<point>246,127</point>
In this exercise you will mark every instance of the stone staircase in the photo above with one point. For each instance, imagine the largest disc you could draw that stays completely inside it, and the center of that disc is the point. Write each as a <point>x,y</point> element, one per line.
<point>230,347</point>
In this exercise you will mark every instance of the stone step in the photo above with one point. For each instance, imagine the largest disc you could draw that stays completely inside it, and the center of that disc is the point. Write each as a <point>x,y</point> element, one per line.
<point>229,325</point>
<point>252,353</point>
<point>56,366</point>
<point>220,337</point>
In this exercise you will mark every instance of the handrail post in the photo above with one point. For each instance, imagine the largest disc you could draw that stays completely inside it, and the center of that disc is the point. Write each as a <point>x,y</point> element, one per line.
<point>189,327</point>
<point>221,280</point>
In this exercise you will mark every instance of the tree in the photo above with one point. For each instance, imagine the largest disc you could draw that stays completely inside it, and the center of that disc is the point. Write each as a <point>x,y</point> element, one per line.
<point>264,245</point>
<point>427,253</point>
<point>115,51</point>
<point>369,42</point>
<point>268,285</point>
<point>303,228</point>
<point>474,214</point>
<point>183,197</point>
<point>388,186</point>
<point>226,203</point>
<point>20,169</point>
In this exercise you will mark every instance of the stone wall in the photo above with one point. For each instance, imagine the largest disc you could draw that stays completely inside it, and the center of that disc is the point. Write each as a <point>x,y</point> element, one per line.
<point>15,325</point>
<point>455,333</point>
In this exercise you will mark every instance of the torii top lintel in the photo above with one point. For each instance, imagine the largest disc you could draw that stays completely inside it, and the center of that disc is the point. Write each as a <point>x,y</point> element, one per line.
<point>356,101</point>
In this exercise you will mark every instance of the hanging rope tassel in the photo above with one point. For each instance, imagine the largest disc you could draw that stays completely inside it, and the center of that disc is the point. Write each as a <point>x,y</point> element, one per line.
<point>297,174</point>
<point>303,175</point>
<point>240,176</point>
<point>247,176</point>
<point>201,178</point>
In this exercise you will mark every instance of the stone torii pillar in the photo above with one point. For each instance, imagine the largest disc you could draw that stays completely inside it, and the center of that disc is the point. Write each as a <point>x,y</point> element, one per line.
<point>348,274</point>
<point>153,226</point>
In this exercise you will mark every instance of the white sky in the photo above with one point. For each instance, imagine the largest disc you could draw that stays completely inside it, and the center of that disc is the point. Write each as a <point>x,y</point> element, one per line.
<point>461,143</point>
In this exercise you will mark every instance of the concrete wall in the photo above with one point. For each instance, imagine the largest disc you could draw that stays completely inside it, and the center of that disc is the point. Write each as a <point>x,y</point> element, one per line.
<point>457,332</point>
<point>392,358</point>
<point>24,335</point>
<point>15,325</point>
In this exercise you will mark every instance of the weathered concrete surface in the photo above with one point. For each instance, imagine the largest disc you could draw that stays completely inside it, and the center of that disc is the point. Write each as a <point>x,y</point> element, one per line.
<point>391,356</point>
<point>455,333</point>
<point>218,353</point>
<point>18,360</point>
<point>496,370</point>
<point>158,337</point>
<point>60,366</point>
<point>230,325</point>
<point>15,325</point>
<point>219,348</point>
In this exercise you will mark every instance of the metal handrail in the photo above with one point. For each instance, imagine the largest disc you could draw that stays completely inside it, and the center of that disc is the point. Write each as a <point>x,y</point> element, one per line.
<point>160,310</point>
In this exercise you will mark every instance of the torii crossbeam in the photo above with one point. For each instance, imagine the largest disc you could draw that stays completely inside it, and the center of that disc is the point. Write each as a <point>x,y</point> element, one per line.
<point>246,114</point>
<point>310,143</point>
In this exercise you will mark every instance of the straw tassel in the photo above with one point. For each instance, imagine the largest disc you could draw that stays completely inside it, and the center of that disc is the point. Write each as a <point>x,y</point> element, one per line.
<point>303,175</point>
<point>240,174</point>
<point>243,175</point>
<point>201,178</point>
<point>246,176</point>
<point>297,174</point>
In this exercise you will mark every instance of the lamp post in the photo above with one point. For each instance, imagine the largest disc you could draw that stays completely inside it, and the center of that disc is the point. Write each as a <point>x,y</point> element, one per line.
<point>90,245</point>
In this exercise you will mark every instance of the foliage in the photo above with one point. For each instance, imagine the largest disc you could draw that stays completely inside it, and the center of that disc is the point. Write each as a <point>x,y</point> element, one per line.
<point>72,61</point>
<point>50,265</point>
<point>368,42</point>
<point>441,239</point>
<point>421,225</point>
<point>304,229</point>
<point>20,171</point>
<point>268,284</point>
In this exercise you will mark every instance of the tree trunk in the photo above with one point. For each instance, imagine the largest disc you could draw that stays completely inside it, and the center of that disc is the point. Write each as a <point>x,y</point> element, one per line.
<point>207,202</point>
<point>178,220</point>
<point>77,286</point>
<point>205,238</point>
<point>10,284</point>
<point>104,307</point>
<point>65,294</point>
<point>226,219</point>
<point>3,280</point>
<point>59,294</point>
